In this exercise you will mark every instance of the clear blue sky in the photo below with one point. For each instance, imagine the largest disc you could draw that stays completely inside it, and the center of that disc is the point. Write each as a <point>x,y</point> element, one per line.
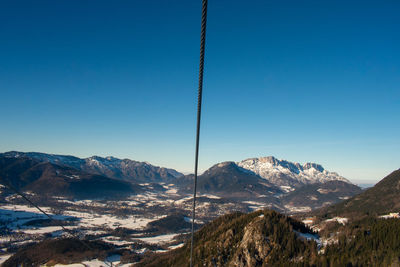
<point>301,80</point>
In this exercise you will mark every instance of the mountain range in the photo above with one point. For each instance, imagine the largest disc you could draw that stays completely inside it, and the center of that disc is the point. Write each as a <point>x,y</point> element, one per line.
<point>280,183</point>
<point>124,169</point>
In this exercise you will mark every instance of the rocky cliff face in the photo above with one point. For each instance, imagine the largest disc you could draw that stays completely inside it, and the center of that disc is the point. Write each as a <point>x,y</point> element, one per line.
<point>254,246</point>
<point>263,238</point>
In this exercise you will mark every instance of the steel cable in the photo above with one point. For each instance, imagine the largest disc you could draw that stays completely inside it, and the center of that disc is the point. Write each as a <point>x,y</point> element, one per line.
<point>199,99</point>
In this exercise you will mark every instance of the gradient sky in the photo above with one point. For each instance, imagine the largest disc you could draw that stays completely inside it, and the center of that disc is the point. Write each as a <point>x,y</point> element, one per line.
<point>306,81</point>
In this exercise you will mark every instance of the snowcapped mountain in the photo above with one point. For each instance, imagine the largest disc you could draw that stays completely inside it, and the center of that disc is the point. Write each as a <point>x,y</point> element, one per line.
<point>286,185</point>
<point>292,174</point>
<point>127,169</point>
<point>124,169</point>
<point>227,179</point>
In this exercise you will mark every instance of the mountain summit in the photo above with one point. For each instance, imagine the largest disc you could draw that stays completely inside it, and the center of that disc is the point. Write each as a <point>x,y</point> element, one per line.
<point>286,173</point>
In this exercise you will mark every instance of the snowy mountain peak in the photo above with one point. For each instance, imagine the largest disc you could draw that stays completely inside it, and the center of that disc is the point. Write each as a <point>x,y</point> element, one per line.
<point>103,162</point>
<point>313,165</point>
<point>286,173</point>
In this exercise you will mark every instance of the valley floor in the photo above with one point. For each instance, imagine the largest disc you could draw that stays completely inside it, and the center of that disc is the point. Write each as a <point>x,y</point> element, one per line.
<point>123,223</point>
<point>139,223</point>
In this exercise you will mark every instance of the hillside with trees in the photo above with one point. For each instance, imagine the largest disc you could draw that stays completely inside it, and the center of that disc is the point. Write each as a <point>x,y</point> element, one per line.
<point>381,199</point>
<point>267,238</point>
<point>262,238</point>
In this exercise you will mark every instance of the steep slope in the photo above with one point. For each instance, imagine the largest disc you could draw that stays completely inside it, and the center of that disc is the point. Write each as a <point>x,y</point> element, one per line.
<point>263,238</point>
<point>45,178</point>
<point>15,171</point>
<point>285,173</point>
<point>229,180</point>
<point>383,198</point>
<point>124,169</point>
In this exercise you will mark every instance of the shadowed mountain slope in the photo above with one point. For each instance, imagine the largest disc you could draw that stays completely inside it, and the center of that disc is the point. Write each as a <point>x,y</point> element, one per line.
<point>383,198</point>
<point>229,180</point>
<point>45,178</point>
<point>319,195</point>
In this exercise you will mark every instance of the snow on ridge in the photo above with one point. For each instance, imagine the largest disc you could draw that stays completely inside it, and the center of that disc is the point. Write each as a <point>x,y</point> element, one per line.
<point>282,172</point>
<point>95,162</point>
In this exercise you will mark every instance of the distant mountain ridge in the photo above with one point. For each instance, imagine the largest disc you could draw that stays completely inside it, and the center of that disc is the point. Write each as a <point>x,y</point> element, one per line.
<point>286,173</point>
<point>266,181</point>
<point>123,169</point>
<point>275,171</point>
<point>49,179</point>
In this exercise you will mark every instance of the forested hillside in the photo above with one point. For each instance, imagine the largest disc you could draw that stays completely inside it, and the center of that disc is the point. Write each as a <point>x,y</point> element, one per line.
<point>267,238</point>
<point>257,239</point>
